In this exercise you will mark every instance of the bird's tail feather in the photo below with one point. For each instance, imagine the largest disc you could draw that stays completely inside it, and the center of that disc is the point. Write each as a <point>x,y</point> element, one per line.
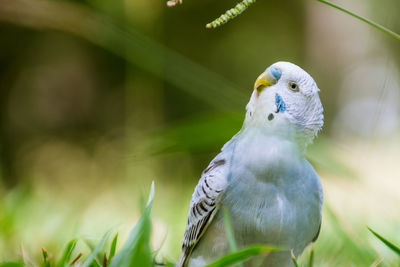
<point>183,259</point>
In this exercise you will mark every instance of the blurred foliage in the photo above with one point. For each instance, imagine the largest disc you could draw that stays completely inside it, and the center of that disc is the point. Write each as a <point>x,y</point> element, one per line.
<point>137,249</point>
<point>370,22</point>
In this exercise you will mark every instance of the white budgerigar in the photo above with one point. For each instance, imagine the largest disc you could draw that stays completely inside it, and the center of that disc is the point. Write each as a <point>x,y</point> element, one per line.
<point>261,177</point>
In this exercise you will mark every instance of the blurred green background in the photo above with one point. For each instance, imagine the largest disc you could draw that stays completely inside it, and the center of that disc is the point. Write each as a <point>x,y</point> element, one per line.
<point>99,98</point>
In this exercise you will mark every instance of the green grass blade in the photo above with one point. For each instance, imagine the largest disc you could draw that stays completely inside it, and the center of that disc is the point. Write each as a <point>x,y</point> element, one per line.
<point>311,259</point>
<point>136,250</point>
<point>230,235</point>
<point>113,247</point>
<point>238,256</point>
<point>294,259</point>
<point>45,255</point>
<point>92,246</point>
<point>65,257</point>
<point>390,245</point>
<point>151,196</point>
<point>229,231</point>
<point>92,257</point>
<point>370,22</point>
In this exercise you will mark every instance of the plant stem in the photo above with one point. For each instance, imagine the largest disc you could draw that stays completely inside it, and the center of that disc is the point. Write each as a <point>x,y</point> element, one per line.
<point>231,14</point>
<point>370,22</point>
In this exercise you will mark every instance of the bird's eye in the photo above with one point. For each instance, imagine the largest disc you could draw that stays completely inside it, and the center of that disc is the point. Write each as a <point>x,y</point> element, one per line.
<point>294,87</point>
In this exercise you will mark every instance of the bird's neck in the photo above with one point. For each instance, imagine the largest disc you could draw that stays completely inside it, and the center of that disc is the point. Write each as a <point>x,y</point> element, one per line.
<point>263,153</point>
<point>280,129</point>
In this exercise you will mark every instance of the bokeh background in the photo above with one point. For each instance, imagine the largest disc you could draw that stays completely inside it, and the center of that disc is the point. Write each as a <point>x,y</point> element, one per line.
<point>98,98</point>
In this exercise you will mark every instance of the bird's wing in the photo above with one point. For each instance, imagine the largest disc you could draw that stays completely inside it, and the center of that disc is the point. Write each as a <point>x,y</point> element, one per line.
<point>204,203</point>
<point>317,234</point>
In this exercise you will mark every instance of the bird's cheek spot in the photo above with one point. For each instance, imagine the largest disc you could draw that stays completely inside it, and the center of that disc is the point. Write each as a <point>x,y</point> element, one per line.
<point>270,117</point>
<point>280,104</point>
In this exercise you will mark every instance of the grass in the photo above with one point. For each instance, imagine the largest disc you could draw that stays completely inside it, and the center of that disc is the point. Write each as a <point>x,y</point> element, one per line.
<point>136,250</point>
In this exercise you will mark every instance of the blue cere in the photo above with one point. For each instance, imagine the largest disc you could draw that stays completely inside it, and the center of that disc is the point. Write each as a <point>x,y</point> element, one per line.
<point>280,104</point>
<point>276,73</point>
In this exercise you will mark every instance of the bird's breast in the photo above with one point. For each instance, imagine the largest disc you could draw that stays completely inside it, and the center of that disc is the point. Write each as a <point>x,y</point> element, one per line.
<point>274,195</point>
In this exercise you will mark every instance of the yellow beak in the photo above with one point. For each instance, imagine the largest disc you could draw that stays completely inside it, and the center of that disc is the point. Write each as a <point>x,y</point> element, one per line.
<point>264,80</point>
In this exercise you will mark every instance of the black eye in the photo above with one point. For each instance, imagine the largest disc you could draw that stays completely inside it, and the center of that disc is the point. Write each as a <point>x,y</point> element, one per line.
<point>294,87</point>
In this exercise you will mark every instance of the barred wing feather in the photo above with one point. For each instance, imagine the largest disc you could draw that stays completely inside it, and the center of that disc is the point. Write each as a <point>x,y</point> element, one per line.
<point>204,204</point>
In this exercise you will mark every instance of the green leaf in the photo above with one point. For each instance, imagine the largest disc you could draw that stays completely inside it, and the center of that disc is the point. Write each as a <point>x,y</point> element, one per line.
<point>390,245</point>
<point>113,247</point>
<point>241,255</point>
<point>92,257</point>
<point>136,250</point>
<point>65,258</point>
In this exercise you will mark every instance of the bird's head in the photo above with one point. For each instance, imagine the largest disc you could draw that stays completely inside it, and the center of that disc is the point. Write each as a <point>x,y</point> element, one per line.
<point>285,101</point>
